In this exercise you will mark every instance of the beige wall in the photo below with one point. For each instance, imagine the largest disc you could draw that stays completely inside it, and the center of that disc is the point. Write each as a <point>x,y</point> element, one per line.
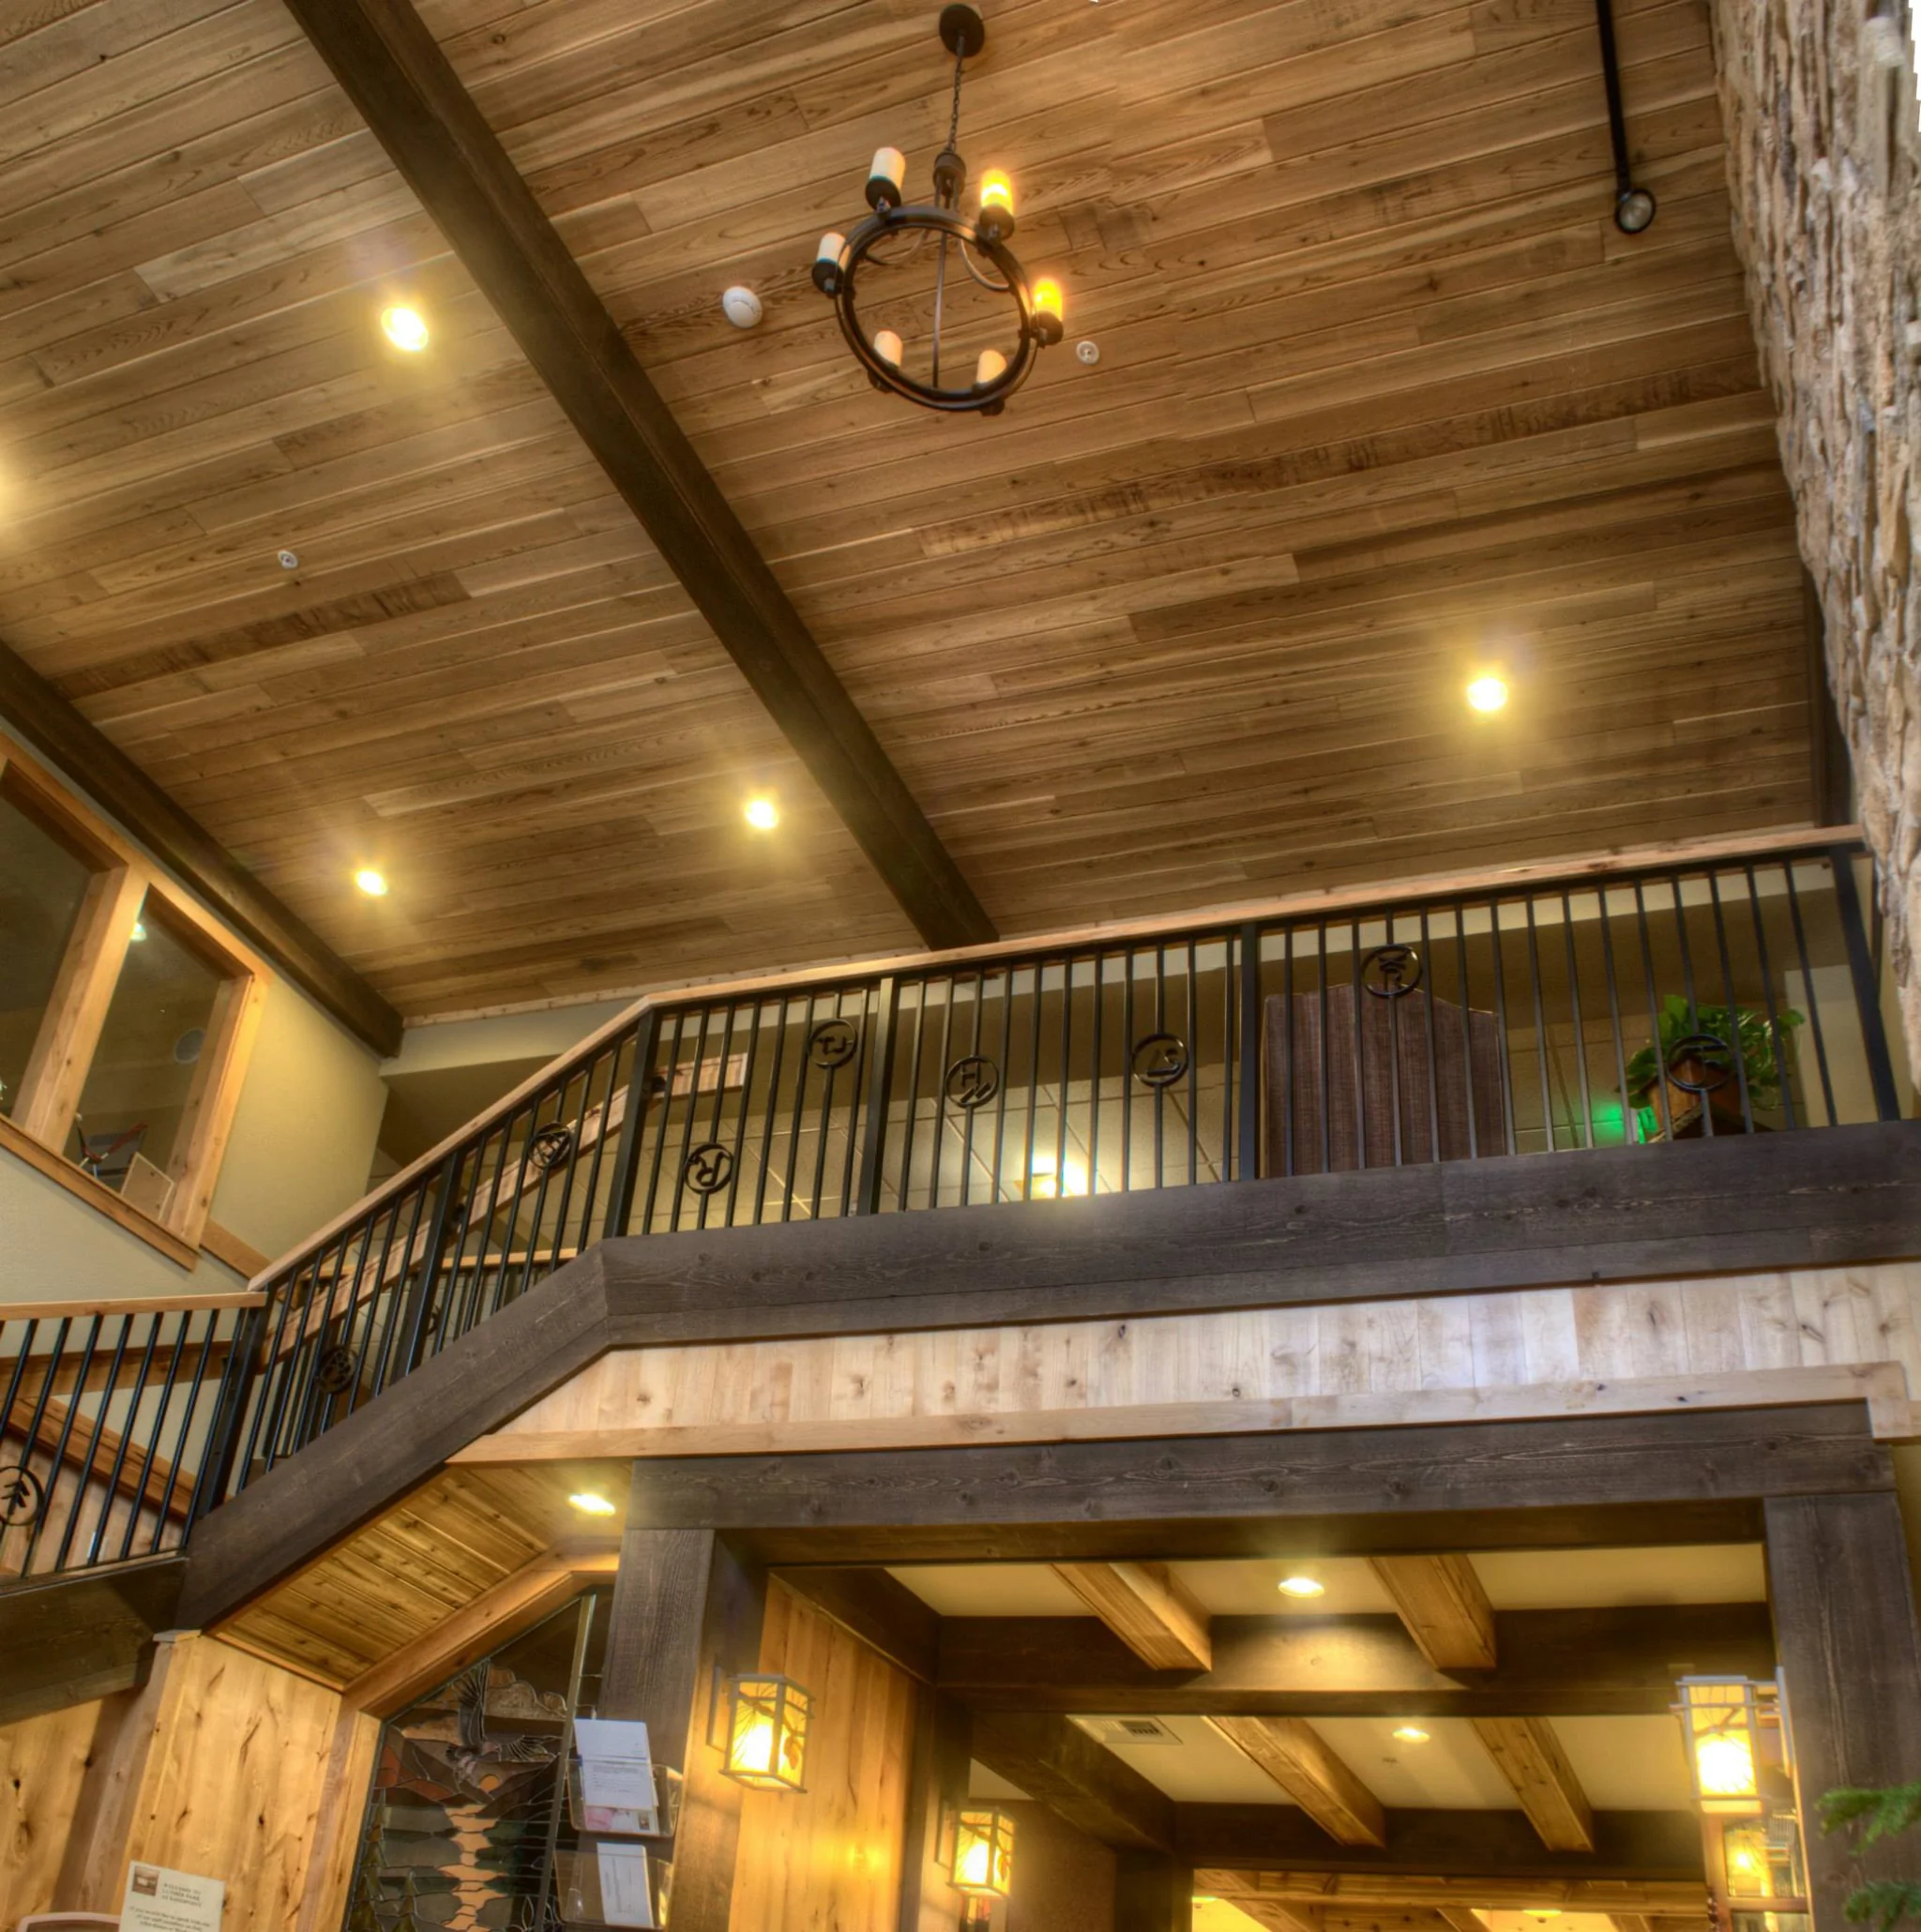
<point>304,1132</point>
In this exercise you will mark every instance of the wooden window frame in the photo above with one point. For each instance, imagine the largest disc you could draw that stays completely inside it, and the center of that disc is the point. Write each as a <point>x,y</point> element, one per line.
<point>123,880</point>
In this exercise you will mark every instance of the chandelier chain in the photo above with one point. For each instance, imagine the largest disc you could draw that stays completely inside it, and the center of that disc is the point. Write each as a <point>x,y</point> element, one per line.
<point>954,118</point>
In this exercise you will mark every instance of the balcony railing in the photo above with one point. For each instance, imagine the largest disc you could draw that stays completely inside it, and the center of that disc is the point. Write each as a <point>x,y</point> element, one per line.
<point>1726,992</point>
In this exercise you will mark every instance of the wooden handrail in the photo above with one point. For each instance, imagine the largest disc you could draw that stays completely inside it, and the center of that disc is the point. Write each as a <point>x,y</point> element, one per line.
<point>135,1305</point>
<point>1581,868</point>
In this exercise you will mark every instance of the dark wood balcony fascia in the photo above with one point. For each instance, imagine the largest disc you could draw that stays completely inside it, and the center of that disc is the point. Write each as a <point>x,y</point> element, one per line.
<point>1836,1195</point>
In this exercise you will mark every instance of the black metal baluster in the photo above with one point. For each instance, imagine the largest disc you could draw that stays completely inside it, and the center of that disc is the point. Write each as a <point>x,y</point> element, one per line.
<point>747,1093</point>
<point>1065,1089</point>
<point>1353,962</point>
<point>1246,1162</point>
<point>1881,1069</point>
<point>725,1060</point>
<point>668,1073</point>
<point>1039,970</point>
<point>910,1139</point>
<point>1586,1135</point>
<point>1194,1068</point>
<point>693,1109</point>
<point>877,1039</point>
<point>1775,1041</point>
<point>1733,1008</point>
<point>1430,972</point>
<point>182,1329</point>
<point>627,1162</point>
<point>1502,1031</point>
<point>111,1488</point>
<point>1094,1085</point>
<point>59,1456</point>
<point>1533,966</point>
<point>770,1114</point>
<point>396,1290</point>
<point>1643,926</point>
<point>1467,1041</point>
<point>1159,1101</point>
<point>210,1479</point>
<point>1129,1034</point>
<point>1614,1008</point>
<point>1694,1026</point>
<point>1392,1051</point>
<point>933,1181</point>
<point>1326,1050</point>
<point>1006,1062</point>
<point>968,1112</point>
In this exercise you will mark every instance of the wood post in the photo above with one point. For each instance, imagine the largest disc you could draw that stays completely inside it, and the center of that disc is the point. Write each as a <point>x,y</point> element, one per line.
<point>685,1607</point>
<point>937,1778</point>
<point>1153,1893</point>
<point>1851,1664</point>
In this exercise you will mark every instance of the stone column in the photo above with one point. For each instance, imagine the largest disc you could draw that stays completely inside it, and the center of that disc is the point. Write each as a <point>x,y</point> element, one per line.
<point>1825,167</point>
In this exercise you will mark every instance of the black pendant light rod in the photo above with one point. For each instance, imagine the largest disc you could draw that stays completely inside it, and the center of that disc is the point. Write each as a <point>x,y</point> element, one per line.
<point>1634,207</point>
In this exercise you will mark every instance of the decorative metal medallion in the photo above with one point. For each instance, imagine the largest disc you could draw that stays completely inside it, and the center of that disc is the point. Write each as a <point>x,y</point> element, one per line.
<point>335,1373</point>
<point>23,1497</point>
<point>833,1044</point>
<point>1710,1059</point>
<point>1160,1058</point>
<point>1390,971</point>
<point>549,1148</point>
<point>972,1081</point>
<point>709,1168</point>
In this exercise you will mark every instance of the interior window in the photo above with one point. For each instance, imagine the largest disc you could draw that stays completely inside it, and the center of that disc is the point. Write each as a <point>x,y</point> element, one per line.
<point>43,884</point>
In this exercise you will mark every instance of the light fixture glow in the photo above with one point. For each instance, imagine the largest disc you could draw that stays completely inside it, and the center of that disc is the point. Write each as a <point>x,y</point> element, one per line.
<point>1301,1586</point>
<point>1045,1184</point>
<point>763,814</point>
<point>404,327</point>
<point>1411,1733</point>
<point>371,883</point>
<point>996,191</point>
<point>983,1852</point>
<point>990,367</point>
<point>764,1737</point>
<point>1543,1912</point>
<point>1488,692</point>
<point>887,347</point>
<point>1047,298</point>
<point>591,1502</point>
<point>139,931</point>
<point>1720,1722</point>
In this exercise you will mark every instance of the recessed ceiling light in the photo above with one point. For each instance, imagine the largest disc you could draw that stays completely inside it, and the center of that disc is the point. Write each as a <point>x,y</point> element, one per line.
<point>763,814</point>
<point>1488,692</point>
<point>591,1502</point>
<point>371,883</point>
<point>1410,1734</point>
<point>1301,1586</point>
<point>405,328</point>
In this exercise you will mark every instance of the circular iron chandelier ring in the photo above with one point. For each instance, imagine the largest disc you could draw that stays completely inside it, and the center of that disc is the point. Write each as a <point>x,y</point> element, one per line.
<point>1037,328</point>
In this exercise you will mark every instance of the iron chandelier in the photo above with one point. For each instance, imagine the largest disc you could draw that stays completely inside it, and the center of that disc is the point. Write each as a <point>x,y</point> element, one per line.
<point>897,232</point>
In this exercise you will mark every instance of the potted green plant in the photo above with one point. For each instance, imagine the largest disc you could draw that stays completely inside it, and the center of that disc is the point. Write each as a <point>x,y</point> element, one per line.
<point>1693,1053</point>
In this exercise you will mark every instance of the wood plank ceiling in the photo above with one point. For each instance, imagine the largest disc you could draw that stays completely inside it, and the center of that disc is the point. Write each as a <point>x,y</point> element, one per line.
<point>1382,395</point>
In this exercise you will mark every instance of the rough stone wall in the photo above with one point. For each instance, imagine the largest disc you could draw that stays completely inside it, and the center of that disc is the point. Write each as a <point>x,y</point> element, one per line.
<point>1824,166</point>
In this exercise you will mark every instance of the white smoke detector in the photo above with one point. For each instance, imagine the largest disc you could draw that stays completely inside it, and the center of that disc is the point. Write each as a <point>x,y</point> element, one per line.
<point>289,561</point>
<point>1089,353</point>
<point>741,307</point>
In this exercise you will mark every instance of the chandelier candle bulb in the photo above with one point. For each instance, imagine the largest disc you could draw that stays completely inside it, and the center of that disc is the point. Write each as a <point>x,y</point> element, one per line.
<point>1047,309</point>
<point>885,178</point>
<point>829,259</point>
<point>991,364</point>
<point>887,346</point>
<point>997,202</point>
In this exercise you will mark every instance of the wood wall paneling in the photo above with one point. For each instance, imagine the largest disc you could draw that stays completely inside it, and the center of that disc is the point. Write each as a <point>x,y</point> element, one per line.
<point>832,1854</point>
<point>1381,388</point>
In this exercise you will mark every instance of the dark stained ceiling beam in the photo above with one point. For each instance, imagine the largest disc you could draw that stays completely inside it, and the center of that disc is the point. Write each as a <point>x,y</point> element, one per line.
<point>1457,1897</point>
<point>1553,1663</point>
<point>50,725</point>
<point>1057,1764</point>
<point>393,70</point>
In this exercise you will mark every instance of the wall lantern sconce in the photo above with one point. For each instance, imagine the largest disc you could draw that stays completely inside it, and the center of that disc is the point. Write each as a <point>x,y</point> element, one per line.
<point>1740,1762</point>
<point>1721,1725</point>
<point>981,1852</point>
<point>759,1724</point>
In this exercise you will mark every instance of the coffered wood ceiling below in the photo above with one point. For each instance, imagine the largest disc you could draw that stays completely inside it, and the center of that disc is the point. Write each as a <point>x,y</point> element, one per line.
<point>1382,396</point>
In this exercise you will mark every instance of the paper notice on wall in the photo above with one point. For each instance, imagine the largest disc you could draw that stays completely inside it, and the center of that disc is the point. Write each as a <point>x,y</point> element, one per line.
<point>158,1900</point>
<point>616,1771</point>
<point>625,1899</point>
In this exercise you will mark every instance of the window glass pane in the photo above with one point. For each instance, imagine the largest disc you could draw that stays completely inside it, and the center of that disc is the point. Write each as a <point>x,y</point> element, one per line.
<point>41,886</point>
<point>143,1070</point>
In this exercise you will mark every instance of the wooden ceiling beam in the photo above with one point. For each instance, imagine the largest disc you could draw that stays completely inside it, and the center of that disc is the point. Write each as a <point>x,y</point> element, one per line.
<point>75,745</point>
<point>1057,1764</point>
<point>1594,1662</point>
<point>1447,1611</point>
<point>1446,1857</point>
<point>1458,1899</point>
<point>1148,1609</point>
<point>393,70</point>
<point>1529,1755</point>
<point>1300,1760</point>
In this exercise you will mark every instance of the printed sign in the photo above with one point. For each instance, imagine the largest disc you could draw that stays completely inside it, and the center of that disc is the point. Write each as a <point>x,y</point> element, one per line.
<point>158,1900</point>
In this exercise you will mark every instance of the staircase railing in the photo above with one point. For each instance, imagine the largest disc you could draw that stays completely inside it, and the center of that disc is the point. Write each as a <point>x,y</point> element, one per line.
<point>1729,987</point>
<point>108,1414</point>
